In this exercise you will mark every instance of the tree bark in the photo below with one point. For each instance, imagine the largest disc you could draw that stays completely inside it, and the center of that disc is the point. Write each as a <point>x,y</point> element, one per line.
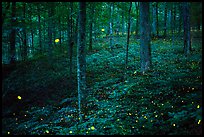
<point>111,27</point>
<point>145,50</point>
<point>91,25</point>
<point>39,28</point>
<point>128,36</point>
<point>13,34</point>
<point>24,33</point>
<point>137,21</point>
<point>186,27</point>
<point>165,18</point>
<point>81,57</point>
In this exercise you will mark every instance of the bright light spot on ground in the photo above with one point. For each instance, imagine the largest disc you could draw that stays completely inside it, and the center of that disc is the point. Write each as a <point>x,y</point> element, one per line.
<point>102,29</point>
<point>199,121</point>
<point>47,131</point>
<point>198,106</point>
<point>136,120</point>
<point>8,132</point>
<point>70,132</point>
<point>19,97</point>
<point>57,40</point>
<point>174,125</point>
<point>92,128</point>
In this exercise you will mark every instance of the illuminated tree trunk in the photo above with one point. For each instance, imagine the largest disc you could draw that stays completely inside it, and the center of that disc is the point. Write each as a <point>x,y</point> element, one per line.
<point>81,57</point>
<point>145,50</point>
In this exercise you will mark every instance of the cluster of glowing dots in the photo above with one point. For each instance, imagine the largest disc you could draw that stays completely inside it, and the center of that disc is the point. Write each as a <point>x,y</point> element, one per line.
<point>19,97</point>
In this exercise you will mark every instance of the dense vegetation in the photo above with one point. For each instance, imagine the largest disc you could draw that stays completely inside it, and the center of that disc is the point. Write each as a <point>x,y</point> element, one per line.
<point>126,68</point>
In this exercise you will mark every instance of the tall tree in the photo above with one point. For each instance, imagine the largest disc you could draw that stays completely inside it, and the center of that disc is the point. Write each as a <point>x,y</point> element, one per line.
<point>39,27</point>
<point>50,28</point>
<point>186,28</point>
<point>145,49</point>
<point>24,33</point>
<point>111,26</point>
<point>91,6</point>
<point>13,34</point>
<point>70,42</point>
<point>137,17</point>
<point>165,20</point>
<point>154,15</point>
<point>128,35</point>
<point>81,57</point>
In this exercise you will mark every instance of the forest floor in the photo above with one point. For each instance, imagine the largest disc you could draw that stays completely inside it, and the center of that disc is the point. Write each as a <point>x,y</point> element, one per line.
<point>39,98</point>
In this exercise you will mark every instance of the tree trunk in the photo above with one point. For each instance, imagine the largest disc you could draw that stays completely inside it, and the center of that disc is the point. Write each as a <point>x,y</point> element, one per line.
<point>91,25</point>
<point>128,36</point>
<point>157,17</point>
<point>137,22</point>
<point>39,28</point>
<point>50,29</point>
<point>186,27</point>
<point>81,57</point>
<point>145,50</point>
<point>154,14</point>
<point>24,33</point>
<point>180,18</point>
<point>123,24</point>
<point>111,27</point>
<point>13,35</point>
<point>165,18</point>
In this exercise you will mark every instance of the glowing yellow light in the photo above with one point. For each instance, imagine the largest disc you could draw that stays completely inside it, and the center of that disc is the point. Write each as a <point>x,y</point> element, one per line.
<point>19,97</point>
<point>130,114</point>
<point>198,106</point>
<point>8,132</point>
<point>174,125</point>
<point>87,131</point>
<point>199,121</point>
<point>156,115</point>
<point>92,128</point>
<point>192,102</point>
<point>143,126</point>
<point>118,119</point>
<point>102,29</point>
<point>145,117</point>
<point>47,131</point>
<point>70,132</point>
<point>192,88</point>
<point>57,40</point>
<point>151,120</point>
<point>136,120</point>
<point>135,72</point>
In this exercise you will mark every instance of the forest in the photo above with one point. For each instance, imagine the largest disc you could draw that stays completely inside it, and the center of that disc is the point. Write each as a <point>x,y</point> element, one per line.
<point>101,68</point>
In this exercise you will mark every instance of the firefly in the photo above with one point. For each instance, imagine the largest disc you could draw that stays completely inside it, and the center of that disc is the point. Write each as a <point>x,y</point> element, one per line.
<point>19,97</point>
<point>57,40</point>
